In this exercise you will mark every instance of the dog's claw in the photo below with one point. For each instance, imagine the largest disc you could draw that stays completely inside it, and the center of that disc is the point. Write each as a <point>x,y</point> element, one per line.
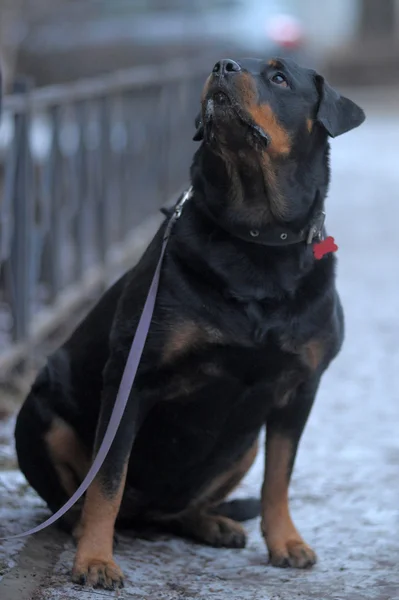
<point>98,573</point>
<point>79,578</point>
<point>297,555</point>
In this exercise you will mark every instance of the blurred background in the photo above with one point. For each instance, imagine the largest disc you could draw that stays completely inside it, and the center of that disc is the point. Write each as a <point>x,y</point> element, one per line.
<point>95,133</point>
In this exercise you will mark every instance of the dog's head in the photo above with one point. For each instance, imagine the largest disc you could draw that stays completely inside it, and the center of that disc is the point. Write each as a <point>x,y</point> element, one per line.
<point>264,114</point>
<point>270,104</point>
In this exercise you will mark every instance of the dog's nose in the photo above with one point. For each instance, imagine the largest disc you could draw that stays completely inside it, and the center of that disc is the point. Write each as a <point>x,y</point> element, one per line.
<point>226,66</point>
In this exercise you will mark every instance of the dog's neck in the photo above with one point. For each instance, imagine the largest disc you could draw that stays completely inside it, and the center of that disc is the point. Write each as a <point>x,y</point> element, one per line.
<point>259,191</point>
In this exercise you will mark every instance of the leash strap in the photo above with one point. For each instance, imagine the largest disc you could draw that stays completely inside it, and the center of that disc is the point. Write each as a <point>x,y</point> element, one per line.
<point>127,381</point>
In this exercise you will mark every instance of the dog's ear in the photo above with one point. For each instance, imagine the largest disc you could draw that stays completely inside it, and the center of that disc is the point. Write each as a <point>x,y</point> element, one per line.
<point>199,134</point>
<point>336,113</point>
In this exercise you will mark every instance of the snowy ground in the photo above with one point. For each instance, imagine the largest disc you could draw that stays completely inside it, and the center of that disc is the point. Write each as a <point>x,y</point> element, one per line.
<point>345,487</point>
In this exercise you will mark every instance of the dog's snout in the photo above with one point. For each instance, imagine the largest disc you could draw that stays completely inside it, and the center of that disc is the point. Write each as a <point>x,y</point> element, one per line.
<point>227,65</point>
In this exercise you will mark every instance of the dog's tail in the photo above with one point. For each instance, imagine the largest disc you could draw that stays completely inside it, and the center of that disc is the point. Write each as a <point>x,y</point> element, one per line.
<point>241,509</point>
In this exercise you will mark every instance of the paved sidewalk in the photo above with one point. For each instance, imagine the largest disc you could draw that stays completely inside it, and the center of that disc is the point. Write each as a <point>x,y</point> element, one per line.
<point>345,491</point>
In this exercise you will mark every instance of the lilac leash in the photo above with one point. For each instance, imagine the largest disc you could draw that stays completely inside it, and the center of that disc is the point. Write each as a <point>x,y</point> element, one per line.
<point>127,381</point>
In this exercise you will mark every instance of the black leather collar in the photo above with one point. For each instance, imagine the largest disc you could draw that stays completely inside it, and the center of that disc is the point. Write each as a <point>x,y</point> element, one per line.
<point>269,235</point>
<point>275,235</point>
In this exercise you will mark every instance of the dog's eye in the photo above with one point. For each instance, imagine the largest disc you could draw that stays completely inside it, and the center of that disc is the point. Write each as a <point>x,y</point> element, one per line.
<point>280,79</point>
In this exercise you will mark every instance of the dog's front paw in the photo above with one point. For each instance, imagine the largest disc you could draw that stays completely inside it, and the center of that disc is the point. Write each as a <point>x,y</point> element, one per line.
<point>292,553</point>
<point>97,572</point>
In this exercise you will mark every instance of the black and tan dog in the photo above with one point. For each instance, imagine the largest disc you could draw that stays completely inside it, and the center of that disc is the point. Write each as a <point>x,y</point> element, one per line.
<point>245,323</point>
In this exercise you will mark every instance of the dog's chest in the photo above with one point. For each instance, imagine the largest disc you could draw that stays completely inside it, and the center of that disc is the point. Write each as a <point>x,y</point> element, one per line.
<point>215,403</point>
<point>260,325</point>
<point>244,373</point>
<point>257,322</point>
<point>218,411</point>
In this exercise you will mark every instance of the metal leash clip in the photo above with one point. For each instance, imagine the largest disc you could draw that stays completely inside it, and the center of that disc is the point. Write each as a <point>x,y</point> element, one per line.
<point>177,211</point>
<point>316,228</point>
<point>179,206</point>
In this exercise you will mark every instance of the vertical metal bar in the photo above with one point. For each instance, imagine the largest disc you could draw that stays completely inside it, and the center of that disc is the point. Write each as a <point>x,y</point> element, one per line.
<point>136,172</point>
<point>119,149</point>
<point>104,221</point>
<point>164,157</point>
<point>130,184</point>
<point>55,189</point>
<point>90,187</point>
<point>377,18</point>
<point>81,190</point>
<point>7,229</point>
<point>23,216</point>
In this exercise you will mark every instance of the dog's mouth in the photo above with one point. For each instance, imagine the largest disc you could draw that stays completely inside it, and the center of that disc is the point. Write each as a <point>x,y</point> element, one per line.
<point>221,98</point>
<point>222,112</point>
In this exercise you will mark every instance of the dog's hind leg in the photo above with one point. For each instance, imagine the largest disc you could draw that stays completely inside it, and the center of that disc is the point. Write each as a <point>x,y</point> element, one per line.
<point>211,529</point>
<point>71,463</point>
<point>50,454</point>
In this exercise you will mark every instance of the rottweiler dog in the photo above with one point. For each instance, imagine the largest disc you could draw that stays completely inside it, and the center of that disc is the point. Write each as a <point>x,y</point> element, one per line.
<point>246,322</point>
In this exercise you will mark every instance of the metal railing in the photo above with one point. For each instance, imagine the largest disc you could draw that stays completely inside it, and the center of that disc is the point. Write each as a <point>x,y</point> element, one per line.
<point>84,169</point>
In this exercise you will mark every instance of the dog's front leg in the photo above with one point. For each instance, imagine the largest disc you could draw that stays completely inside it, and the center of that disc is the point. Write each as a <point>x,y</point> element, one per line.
<point>284,429</point>
<point>94,562</point>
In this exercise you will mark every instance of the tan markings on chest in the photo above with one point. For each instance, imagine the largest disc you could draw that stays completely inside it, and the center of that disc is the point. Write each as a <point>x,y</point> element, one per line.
<point>187,336</point>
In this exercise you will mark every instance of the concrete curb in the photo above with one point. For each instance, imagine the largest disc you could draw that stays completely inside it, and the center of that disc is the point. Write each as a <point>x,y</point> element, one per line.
<point>34,566</point>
